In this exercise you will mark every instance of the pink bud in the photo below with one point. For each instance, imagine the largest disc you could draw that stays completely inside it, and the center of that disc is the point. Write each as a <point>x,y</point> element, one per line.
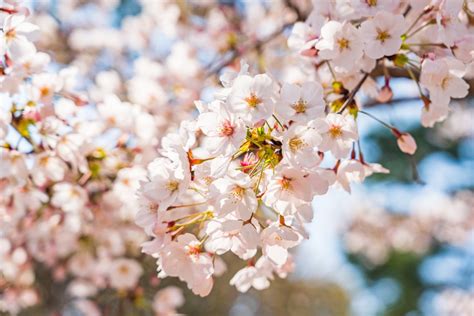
<point>385,95</point>
<point>406,143</point>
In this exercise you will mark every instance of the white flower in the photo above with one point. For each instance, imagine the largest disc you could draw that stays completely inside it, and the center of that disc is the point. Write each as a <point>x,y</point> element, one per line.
<point>276,240</point>
<point>124,273</point>
<point>115,112</point>
<point>352,170</point>
<point>443,79</point>
<point>449,27</point>
<point>183,258</point>
<point>299,145</point>
<point>349,171</point>
<point>239,237</point>
<point>234,194</point>
<point>224,130</point>
<point>16,35</point>
<point>128,180</point>
<point>70,148</point>
<point>304,36</point>
<point>69,197</point>
<point>13,165</point>
<point>341,44</point>
<point>434,112</point>
<point>168,181</point>
<point>167,300</point>
<point>300,103</point>
<point>338,133</point>
<point>208,171</point>
<point>251,98</point>
<point>382,34</point>
<point>48,167</point>
<point>147,215</point>
<point>256,276</point>
<point>29,198</point>
<point>288,187</point>
<point>45,85</point>
<point>363,8</point>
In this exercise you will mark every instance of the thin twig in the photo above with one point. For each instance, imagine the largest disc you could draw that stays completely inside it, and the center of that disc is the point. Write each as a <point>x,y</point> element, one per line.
<point>353,93</point>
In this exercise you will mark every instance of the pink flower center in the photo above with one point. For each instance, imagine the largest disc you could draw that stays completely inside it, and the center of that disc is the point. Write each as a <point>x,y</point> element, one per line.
<point>227,129</point>
<point>193,250</point>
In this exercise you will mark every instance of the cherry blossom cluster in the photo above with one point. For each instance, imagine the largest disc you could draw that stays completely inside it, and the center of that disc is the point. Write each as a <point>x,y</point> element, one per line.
<point>72,151</point>
<point>429,41</point>
<point>240,178</point>
<point>67,203</point>
<point>374,233</point>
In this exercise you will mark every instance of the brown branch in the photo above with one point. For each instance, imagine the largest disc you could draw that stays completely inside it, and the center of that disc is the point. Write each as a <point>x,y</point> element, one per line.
<point>236,53</point>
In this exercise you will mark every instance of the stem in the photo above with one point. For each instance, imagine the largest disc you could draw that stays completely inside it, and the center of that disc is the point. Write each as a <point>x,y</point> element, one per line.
<point>420,28</point>
<point>426,44</point>
<point>256,165</point>
<point>259,178</point>
<point>412,76</point>
<point>239,52</point>
<point>415,22</point>
<point>185,205</point>
<point>359,147</point>
<point>353,93</point>
<point>278,121</point>
<point>377,119</point>
<point>331,70</point>
<point>416,175</point>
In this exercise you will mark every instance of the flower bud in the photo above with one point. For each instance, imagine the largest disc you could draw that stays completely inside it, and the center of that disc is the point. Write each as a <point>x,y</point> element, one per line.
<point>406,143</point>
<point>385,95</point>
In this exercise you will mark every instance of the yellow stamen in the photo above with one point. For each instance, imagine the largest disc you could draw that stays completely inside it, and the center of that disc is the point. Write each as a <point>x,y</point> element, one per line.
<point>343,44</point>
<point>172,186</point>
<point>300,106</point>
<point>383,36</point>
<point>285,183</point>
<point>253,100</point>
<point>295,144</point>
<point>335,131</point>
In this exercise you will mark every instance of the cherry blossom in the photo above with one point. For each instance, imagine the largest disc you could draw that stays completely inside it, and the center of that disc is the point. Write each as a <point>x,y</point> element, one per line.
<point>184,258</point>
<point>338,132</point>
<point>124,273</point>
<point>340,43</point>
<point>300,103</point>
<point>382,34</point>
<point>251,98</point>
<point>225,130</point>
<point>234,194</point>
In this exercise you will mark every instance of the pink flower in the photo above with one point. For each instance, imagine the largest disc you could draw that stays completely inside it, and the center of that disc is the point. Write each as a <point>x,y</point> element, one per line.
<point>184,258</point>
<point>251,98</point>
<point>124,273</point>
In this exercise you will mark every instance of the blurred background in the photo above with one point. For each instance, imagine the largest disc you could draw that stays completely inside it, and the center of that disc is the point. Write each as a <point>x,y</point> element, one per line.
<point>400,244</point>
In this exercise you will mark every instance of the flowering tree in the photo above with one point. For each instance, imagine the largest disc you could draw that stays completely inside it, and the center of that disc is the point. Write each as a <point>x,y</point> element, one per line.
<point>87,180</point>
